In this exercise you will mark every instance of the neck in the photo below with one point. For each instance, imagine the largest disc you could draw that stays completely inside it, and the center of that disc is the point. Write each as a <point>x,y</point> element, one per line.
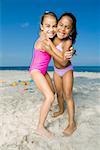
<point>59,40</point>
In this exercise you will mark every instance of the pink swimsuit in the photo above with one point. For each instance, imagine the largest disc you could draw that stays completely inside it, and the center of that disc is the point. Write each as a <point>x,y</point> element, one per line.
<point>61,72</point>
<point>40,61</point>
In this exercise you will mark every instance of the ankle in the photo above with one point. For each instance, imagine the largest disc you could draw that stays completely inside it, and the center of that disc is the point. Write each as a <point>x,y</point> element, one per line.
<point>40,127</point>
<point>72,123</point>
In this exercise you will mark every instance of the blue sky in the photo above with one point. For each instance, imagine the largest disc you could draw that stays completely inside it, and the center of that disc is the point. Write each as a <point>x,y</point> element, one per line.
<point>19,29</point>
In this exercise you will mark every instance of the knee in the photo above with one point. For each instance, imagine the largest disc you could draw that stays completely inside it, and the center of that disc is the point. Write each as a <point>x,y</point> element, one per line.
<point>59,94</point>
<point>68,95</point>
<point>50,97</point>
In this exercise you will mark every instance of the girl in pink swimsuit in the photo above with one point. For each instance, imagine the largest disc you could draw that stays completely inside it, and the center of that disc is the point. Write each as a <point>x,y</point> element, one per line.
<point>38,70</point>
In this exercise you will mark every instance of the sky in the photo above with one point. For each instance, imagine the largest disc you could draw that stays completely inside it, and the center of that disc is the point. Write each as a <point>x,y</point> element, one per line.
<point>19,29</point>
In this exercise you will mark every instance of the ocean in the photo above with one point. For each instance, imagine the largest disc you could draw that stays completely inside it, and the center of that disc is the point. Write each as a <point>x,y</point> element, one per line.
<point>50,68</point>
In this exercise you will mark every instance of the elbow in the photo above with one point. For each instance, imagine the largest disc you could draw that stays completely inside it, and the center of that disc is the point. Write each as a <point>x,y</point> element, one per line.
<point>63,64</point>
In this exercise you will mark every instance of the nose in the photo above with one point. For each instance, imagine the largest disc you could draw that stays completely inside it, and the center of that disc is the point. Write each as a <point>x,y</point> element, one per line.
<point>51,28</point>
<point>63,28</point>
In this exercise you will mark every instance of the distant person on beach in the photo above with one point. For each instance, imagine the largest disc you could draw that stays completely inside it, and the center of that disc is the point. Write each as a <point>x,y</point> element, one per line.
<point>63,73</point>
<point>39,65</point>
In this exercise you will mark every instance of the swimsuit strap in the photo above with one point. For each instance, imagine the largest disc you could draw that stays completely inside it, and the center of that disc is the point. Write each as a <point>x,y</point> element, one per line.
<point>59,46</point>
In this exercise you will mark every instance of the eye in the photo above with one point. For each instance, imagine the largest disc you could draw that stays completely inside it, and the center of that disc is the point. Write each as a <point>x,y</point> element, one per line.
<point>68,27</point>
<point>48,25</point>
<point>61,24</point>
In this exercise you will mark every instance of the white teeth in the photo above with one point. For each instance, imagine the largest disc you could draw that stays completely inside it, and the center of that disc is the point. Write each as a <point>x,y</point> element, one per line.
<point>62,34</point>
<point>50,34</point>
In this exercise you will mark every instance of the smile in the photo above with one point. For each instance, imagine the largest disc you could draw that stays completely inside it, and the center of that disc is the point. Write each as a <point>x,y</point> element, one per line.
<point>61,34</point>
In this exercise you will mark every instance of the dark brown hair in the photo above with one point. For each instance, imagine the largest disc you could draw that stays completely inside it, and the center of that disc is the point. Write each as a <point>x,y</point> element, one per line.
<point>74,30</point>
<point>46,14</point>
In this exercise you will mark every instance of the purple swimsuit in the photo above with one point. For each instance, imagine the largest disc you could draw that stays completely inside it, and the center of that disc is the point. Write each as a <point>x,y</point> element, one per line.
<point>61,72</point>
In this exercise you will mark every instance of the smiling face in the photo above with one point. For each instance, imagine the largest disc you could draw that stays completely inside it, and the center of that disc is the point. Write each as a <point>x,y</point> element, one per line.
<point>49,26</point>
<point>64,27</point>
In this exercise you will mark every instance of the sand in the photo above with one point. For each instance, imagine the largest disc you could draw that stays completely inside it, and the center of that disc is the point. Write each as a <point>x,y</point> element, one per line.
<point>19,111</point>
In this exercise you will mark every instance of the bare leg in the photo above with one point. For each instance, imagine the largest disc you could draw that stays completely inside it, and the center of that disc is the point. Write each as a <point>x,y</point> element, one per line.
<point>49,80</point>
<point>58,86</point>
<point>44,87</point>
<point>67,88</point>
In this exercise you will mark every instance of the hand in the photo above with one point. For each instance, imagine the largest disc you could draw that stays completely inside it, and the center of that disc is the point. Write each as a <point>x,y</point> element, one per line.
<point>73,51</point>
<point>69,54</point>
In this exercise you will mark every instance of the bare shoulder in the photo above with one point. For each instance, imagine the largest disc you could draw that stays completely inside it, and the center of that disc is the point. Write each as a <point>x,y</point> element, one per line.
<point>68,42</point>
<point>38,44</point>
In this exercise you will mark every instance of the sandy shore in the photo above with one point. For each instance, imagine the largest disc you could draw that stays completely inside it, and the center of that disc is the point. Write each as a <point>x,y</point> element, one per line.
<point>20,103</point>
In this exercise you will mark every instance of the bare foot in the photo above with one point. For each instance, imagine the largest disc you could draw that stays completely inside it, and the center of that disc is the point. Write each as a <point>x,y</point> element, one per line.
<point>43,132</point>
<point>70,129</point>
<point>56,114</point>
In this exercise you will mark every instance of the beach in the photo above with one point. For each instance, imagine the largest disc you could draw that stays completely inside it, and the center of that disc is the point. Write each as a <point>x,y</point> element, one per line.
<point>20,103</point>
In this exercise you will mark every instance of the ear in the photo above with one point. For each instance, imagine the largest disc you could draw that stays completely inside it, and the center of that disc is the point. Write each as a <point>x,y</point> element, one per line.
<point>41,27</point>
<point>72,32</point>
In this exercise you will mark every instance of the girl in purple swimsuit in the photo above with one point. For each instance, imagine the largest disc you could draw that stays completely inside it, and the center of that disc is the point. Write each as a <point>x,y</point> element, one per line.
<point>63,73</point>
